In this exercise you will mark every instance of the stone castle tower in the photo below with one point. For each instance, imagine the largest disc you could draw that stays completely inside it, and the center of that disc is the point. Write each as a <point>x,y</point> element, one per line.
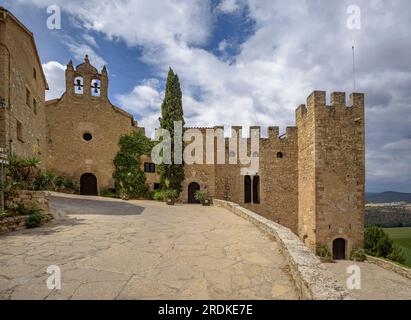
<point>331,170</point>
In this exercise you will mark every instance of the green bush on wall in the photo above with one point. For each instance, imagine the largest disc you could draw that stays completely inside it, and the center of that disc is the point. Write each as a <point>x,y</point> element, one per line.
<point>378,244</point>
<point>130,180</point>
<point>358,255</point>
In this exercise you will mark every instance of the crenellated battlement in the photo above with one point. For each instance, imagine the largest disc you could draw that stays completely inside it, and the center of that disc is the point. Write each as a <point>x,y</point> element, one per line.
<point>273,132</point>
<point>316,104</point>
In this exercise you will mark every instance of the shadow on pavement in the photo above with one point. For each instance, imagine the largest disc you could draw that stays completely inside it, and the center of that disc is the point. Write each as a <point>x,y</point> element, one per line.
<point>92,206</point>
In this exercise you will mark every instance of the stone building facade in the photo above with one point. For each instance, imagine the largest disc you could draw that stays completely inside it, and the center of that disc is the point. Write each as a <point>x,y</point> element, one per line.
<point>22,90</point>
<point>310,180</point>
<point>84,129</point>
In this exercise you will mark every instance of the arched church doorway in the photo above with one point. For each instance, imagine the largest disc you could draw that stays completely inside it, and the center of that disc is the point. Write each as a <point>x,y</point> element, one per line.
<point>339,249</point>
<point>88,185</point>
<point>193,187</point>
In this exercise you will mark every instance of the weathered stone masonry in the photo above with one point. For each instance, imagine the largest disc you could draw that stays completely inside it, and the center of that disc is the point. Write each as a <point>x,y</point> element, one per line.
<point>22,86</point>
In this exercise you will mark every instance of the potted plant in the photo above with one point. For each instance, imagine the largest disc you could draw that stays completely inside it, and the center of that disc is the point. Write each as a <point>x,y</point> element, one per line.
<point>170,195</point>
<point>202,197</point>
<point>325,254</point>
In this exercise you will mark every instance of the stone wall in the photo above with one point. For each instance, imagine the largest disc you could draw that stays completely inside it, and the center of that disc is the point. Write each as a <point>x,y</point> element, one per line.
<point>31,200</point>
<point>279,178</point>
<point>312,279</point>
<point>22,84</point>
<point>12,224</point>
<point>278,175</point>
<point>405,272</point>
<point>151,177</point>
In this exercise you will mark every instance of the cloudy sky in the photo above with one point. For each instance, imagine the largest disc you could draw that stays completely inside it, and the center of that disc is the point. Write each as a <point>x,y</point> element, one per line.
<point>242,62</point>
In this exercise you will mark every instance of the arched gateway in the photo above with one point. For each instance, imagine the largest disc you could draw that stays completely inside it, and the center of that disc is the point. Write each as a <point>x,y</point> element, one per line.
<point>88,185</point>
<point>339,249</point>
<point>193,187</point>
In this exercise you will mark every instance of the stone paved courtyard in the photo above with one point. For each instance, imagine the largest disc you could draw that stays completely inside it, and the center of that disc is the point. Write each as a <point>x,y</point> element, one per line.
<point>111,249</point>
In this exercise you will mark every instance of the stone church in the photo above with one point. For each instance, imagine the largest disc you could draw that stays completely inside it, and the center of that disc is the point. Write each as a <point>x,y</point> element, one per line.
<point>84,128</point>
<point>310,180</point>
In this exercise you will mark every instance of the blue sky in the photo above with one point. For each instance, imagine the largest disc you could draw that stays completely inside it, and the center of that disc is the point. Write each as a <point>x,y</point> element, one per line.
<point>242,62</point>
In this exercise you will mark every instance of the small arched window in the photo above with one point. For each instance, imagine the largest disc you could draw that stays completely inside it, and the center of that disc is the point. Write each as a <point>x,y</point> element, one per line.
<point>280,155</point>
<point>95,87</point>
<point>78,85</point>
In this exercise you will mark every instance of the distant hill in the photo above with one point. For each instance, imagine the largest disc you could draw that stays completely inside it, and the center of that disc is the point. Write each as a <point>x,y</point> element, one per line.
<point>387,197</point>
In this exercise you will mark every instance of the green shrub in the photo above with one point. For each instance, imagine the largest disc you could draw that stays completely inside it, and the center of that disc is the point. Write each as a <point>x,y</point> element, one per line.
<point>24,169</point>
<point>30,162</point>
<point>105,192</point>
<point>52,182</point>
<point>201,195</point>
<point>35,219</point>
<point>70,185</point>
<point>159,195</point>
<point>358,255</point>
<point>325,253</point>
<point>397,255</point>
<point>43,181</point>
<point>171,194</point>
<point>149,195</point>
<point>377,243</point>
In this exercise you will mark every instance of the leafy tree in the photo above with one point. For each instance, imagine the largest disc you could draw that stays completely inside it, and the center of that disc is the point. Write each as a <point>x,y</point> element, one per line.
<point>172,175</point>
<point>130,180</point>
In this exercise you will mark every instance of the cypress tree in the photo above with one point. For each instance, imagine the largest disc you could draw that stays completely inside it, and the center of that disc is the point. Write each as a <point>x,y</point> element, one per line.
<point>172,175</point>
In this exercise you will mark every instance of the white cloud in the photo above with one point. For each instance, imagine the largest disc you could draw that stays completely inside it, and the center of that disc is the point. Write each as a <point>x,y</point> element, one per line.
<point>297,47</point>
<point>55,75</point>
<point>153,22</point>
<point>230,6</point>
<point>79,50</point>
<point>90,40</point>
<point>145,102</point>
